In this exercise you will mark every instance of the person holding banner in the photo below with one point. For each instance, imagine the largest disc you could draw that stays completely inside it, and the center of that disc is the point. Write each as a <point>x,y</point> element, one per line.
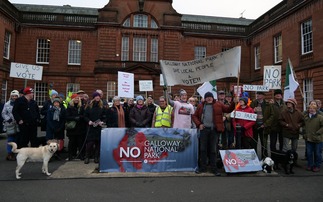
<point>139,116</point>
<point>246,125</point>
<point>182,111</point>
<point>261,129</point>
<point>162,117</point>
<point>208,118</point>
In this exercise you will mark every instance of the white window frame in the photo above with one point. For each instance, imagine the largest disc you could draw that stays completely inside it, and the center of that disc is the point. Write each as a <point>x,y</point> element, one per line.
<point>43,51</point>
<point>125,48</point>
<point>278,48</point>
<point>41,93</point>
<point>140,20</point>
<point>4,90</point>
<point>139,49</point>
<point>74,52</point>
<point>199,52</point>
<point>6,46</point>
<point>257,58</point>
<point>154,50</point>
<point>307,37</point>
<point>308,92</point>
<point>111,90</point>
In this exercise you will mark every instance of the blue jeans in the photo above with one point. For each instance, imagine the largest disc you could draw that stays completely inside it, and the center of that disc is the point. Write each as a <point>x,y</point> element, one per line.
<point>208,145</point>
<point>314,156</point>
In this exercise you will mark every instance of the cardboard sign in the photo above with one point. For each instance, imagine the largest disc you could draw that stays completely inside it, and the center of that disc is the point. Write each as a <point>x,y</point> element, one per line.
<point>244,115</point>
<point>125,84</point>
<point>146,85</point>
<point>257,88</point>
<point>272,77</point>
<point>26,71</point>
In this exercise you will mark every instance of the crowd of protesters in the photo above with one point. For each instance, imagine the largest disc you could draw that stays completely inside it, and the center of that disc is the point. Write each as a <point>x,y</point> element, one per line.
<point>81,118</point>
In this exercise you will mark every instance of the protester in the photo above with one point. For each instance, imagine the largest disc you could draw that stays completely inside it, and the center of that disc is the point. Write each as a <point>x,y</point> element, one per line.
<point>182,111</point>
<point>261,129</point>
<point>314,136</point>
<point>208,119</point>
<point>228,134</point>
<point>151,106</point>
<point>26,114</point>
<point>246,126</point>
<point>105,102</point>
<point>319,105</point>
<point>95,116</point>
<point>192,101</point>
<point>276,130</point>
<point>76,136</point>
<point>116,115</point>
<point>9,124</point>
<point>139,115</point>
<point>128,105</point>
<point>162,117</point>
<point>221,96</point>
<point>46,106</point>
<point>291,120</point>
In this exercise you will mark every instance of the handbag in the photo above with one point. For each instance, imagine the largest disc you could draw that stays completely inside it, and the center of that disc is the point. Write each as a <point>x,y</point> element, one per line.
<point>12,129</point>
<point>69,125</point>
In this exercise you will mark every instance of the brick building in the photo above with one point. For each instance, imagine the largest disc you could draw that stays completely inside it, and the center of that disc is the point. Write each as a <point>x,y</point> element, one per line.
<point>84,48</point>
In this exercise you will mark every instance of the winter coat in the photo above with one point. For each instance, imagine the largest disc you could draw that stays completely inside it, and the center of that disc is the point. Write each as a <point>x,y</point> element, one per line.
<point>55,129</point>
<point>112,117</point>
<point>43,112</point>
<point>277,109</point>
<point>127,108</point>
<point>7,115</point>
<point>140,117</point>
<point>268,114</point>
<point>94,112</point>
<point>27,111</point>
<point>246,124</point>
<point>295,121</point>
<point>75,113</point>
<point>314,128</point>
<point>218,109</point>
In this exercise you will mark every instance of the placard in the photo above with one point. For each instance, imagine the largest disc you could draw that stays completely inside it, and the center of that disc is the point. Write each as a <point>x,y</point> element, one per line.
<point>26,71</point>
<point>272,77</point>
<point>146,85</point>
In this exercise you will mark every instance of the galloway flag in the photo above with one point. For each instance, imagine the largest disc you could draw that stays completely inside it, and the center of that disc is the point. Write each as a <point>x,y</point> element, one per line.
<point>290,83</point>
<point>189,73</point>
<point>208,87</point>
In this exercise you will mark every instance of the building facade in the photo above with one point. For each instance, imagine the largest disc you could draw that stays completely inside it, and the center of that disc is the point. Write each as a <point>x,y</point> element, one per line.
<point>84,48</point>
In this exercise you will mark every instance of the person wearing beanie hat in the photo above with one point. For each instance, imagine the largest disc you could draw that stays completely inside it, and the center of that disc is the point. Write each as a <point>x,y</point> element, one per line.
<point>208,118</point>
<point>139,115</point>
<point>53,92</point>
<point>96,94</point>
<point>9,123</point>
<point>262,128</point>
<point>56,100</point>
<point>182,111</point>
<point>26,113</point>
<point>291,120</point>
<point>44,110</point>
<point>278,105</point>
<point>244,137</point>
<point>74,96</point>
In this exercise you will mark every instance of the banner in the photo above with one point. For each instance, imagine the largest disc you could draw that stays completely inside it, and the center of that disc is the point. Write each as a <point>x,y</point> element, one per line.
<point>26,71</point>
<point>148,150</point>
<point>272,77</point>
<point>243,160</point>
<point>125,84</point>
<point>189,73</point>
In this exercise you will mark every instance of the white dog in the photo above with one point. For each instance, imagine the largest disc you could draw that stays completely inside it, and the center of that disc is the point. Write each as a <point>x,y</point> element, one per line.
<point>268,165</point>
<point>34,154</point>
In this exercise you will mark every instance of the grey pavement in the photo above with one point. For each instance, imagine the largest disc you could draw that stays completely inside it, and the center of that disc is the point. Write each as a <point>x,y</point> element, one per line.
<point>76,169</point>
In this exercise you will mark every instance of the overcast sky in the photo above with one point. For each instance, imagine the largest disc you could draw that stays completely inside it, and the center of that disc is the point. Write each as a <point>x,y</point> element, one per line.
<point>250,9</point>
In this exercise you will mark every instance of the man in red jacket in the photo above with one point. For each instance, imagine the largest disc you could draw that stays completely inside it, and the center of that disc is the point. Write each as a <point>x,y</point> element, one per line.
<point>208,118</point>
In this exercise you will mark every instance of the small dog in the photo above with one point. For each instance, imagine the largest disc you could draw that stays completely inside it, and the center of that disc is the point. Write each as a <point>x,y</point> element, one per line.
<point>34,154</point>
<point>286,159</point>
<point>267,165</point>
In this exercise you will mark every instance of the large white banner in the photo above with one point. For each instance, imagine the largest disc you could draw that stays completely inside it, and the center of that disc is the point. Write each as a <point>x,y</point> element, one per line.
<point>125,84</point>
<point>272,76</point>
<point>26,71</point>
<point>189,73</point>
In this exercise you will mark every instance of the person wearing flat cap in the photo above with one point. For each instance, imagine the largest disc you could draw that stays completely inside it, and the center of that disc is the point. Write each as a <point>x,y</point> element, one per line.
<point>261,129</point>
<point>182,110</point>
<point>208,118</point>
<point>26,114</point>
<point>276,130</point>
<point>291,120</point>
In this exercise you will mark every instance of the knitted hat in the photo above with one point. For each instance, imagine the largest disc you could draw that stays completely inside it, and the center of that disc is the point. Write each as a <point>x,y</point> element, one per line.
<point>14,92</point>
<point>54,92</point>
<point>292,100</point>
<point>278,91</point>
<point>74,96</point>
<point>208,94</point>
<point>182,92</point>
<point>139,97</point>
<point>56,100</point>
<point>115,98</point>
<point>245,94</point>
<point>245,99</point>
<point>95,94</point>
<point>61,96</point>
<point>28,90</point>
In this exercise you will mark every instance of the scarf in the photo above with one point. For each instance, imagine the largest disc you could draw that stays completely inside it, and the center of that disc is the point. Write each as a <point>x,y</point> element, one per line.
<point>56,113</point>
<point>121,122</point>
